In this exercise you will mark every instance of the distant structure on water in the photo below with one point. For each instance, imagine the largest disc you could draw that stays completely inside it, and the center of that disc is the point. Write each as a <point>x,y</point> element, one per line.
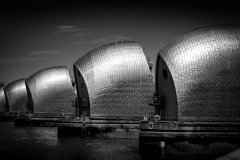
<point>50,91</point>
<point>2,99</point>
<point>16,96</point>
<point>197,75</point>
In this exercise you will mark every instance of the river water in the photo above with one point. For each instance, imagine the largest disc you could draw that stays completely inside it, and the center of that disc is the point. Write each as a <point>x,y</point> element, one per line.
<point>42,143</point>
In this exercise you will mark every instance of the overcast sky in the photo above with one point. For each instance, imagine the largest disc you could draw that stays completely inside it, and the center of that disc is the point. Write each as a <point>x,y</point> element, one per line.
<point>42,34</point>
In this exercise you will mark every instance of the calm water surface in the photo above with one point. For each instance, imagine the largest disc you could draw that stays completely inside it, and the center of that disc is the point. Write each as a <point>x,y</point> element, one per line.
<point>41,143</point>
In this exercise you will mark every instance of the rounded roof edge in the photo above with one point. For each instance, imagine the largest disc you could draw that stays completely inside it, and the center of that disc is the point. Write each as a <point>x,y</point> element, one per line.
<point>109,45</point>
<point>46,69</point>
<point>118,42</point>
<point>215,25</point>
<point>16,81</point>
<point>114,43</point>
<point>197,30</point>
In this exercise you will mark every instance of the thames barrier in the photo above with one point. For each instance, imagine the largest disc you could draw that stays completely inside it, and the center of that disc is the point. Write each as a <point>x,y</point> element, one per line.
<point>194,100</point>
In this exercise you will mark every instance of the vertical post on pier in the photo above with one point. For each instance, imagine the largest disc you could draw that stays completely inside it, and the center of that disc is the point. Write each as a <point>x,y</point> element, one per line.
<point>239,135</point>
<point>162,148</point>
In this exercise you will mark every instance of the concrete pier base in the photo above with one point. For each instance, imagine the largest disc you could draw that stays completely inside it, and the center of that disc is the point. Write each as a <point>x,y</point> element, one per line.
<point>89,128</point>
<point>36,122</point>
<point>70,130</point>
<point>3,117</point>
<point>10,117</point>
<point>190,138</point>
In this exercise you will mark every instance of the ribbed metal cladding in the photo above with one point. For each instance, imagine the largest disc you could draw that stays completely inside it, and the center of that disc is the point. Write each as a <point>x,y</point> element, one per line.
<point>205,66</point>
<point>118,80</point>
<point>16,96</point>
<point>51,90</point>
<point>2,99</point>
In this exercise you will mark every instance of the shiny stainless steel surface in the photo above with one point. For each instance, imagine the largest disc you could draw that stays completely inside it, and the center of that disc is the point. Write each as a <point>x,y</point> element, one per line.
<point>16,96</point>
<point>2,99</point>
<point>51,90</point>
<point>205,66</point>
<point>118,79</point>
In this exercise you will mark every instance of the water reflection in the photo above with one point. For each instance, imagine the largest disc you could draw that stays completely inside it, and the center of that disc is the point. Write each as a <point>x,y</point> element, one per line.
<point>41,143</point>
<point>43,135</point>
<point>47,136</point>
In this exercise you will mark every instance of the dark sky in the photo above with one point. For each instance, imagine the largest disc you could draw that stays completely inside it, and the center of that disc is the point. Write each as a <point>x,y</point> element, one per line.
<point>38,34</point>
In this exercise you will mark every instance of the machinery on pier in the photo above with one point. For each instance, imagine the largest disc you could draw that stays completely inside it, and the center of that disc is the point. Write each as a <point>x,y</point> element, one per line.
<point>155,128</point>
